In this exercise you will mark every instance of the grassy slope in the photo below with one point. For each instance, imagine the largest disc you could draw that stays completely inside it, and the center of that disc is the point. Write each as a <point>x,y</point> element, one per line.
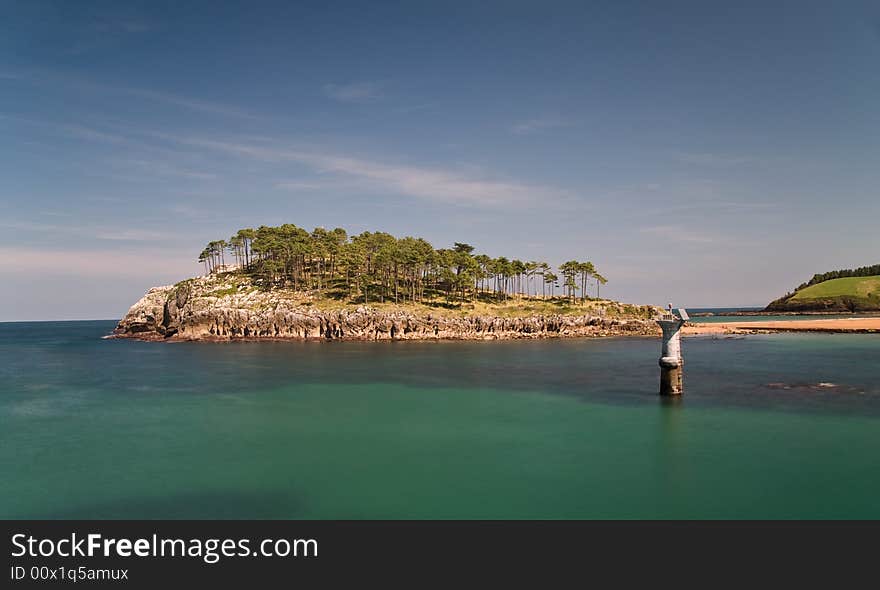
<point>847,294</point>
<point>845,287</point>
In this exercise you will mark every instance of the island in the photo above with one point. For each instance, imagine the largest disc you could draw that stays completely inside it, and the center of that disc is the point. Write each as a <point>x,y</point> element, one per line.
<point>848,290</point>
<point>285,283</point>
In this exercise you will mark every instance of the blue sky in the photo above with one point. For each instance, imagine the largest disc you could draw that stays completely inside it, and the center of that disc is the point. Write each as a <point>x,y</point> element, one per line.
<point>704,153</point>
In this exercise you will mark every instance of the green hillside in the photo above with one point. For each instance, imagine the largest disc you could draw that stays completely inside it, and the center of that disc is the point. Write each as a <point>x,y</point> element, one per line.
<point>844,294</point>
<point>848,287</point>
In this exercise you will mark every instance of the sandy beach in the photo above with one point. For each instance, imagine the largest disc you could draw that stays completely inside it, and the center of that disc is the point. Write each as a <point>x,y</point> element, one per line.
<point>854,325</point>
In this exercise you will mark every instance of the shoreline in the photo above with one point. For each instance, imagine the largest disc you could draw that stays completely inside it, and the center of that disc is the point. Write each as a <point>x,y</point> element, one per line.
<point>591,329</point>
<point>854,325</point>
<point>621,330</point>
<point>765,313</point>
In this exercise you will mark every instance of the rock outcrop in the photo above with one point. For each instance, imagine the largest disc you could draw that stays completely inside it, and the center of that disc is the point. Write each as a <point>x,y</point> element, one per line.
<point>197,310</point>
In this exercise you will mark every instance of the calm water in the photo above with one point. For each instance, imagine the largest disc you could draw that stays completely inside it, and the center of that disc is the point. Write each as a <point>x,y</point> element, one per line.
<point>93,428</point>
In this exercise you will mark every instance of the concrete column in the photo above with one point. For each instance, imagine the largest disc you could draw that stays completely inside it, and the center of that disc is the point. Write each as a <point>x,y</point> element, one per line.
<point>671,363</point>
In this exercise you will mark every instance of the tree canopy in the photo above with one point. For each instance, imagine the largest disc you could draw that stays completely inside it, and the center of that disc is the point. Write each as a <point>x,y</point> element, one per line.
<point>376,266</point>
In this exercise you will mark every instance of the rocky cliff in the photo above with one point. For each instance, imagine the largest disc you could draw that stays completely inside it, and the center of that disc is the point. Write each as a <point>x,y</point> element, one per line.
<point>215,308</point>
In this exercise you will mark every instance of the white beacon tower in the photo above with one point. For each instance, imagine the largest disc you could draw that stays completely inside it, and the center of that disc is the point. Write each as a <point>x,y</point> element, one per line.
<point>671,362</point>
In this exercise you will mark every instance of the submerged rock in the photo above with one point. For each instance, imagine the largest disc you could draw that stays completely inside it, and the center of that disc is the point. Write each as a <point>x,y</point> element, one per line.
<point>816,387</point>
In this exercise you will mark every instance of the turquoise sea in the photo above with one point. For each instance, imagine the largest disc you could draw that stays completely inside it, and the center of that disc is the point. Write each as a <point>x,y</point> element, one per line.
<point>771,426</point>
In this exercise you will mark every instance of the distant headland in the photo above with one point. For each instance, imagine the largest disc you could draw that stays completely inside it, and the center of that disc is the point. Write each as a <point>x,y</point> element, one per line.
<point>848,290</point>
<point>285,283</point>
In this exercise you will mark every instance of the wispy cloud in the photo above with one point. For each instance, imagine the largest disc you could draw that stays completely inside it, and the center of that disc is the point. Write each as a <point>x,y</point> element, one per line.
<point>354,92</point>
<point>165,169</point>
<point>192,104</point>
<point>52,78</point>
<point>459,186</point>
<point>539,124</point>
<point>27,226</point>
<point>106,31</point>
<point>70,129</point>
<point>121,26</point>
<point>417,107</point>
<point>131,235</point>
<point>415,181</point>
<point>693,199</point>
<point>158,164</point>
<point>94,263</point>
<point>83,132</point>
<point>742,206</point>
<point>676,233</point>
<point>304,185</point>
<point>76,130</point>
<point>709,159</point>
<point>109,233</point>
